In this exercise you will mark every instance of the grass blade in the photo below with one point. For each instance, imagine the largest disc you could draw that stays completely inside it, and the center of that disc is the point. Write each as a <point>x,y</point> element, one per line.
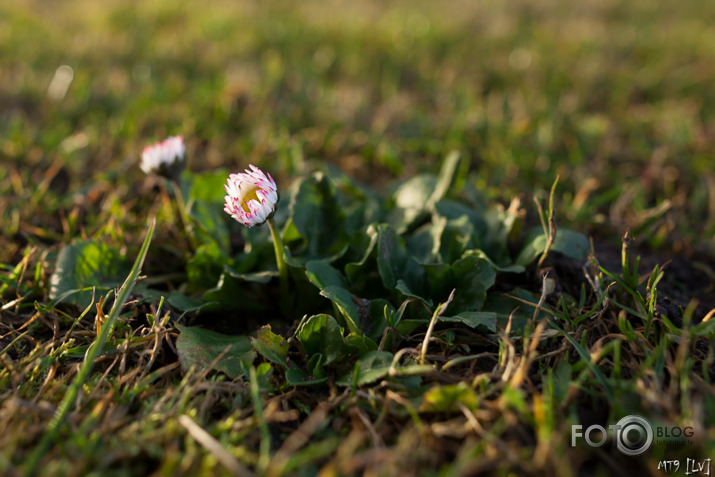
<point>65,406</point>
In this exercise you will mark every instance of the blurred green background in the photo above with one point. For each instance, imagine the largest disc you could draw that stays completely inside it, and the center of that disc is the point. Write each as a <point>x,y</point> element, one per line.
<point>617,98</point>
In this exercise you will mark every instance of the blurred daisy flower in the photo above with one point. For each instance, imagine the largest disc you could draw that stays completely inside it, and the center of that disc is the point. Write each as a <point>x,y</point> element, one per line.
<point>252,196</point>
<point>166,158</point>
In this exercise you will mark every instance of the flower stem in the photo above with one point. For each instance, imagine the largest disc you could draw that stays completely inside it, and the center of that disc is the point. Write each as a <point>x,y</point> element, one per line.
<point>186,222</point>
<point>281,263</point>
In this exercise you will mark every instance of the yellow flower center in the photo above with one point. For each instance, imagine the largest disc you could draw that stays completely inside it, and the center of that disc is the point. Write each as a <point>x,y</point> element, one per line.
<point>250,195</point>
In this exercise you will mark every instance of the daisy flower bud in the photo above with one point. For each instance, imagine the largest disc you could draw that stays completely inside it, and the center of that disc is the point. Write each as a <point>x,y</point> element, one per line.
<point>252,197</point>
<point>166,158</point>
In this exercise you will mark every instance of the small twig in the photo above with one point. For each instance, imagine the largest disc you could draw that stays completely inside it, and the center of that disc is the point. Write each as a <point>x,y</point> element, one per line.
<point>298,439</point>
<point>214,447</point>
<point>551,234</point>
<point>437,313</point>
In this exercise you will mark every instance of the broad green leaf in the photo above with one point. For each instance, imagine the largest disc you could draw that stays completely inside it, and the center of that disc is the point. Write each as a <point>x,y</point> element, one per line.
<point>518,303</point>
<point>204,202</point>
<point>407,293</point>
<point>471,276</point>
<point>567,242</point>
<point>254,277</point>
<point>297,377</point>
<point>407,326</point>
<point>363,344</point>
<point>258,252</point>
<point>343,299</point>
<point>208,186</point>
<point>183,303</point>
<point>458,236</point>
<point>375,326</point>
<point>324,275</point>
<point>317,215</point>
<point>411,201</point>
<point>391,256</point>
<point>241,291</point>
<point>463,230</point>
<point>484,320</point>
<point>425,242</point>
<point>446,177</point>
<point>501,227</point>
<point>322,334</point>
<point>361,204</point>
<point>200,347</point>
<point>316,365</point>
<point>358,272</point>
<point>206,265</point>
<point>373,366</point>
<point>271,346</point>
<point>452,209</point>
<point>84,264</point>
<point>503,269</point>
<point>395,264</point>
<point>209,224</point>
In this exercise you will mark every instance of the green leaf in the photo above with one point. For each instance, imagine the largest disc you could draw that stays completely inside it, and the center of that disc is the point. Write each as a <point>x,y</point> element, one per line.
<point>471,276</point>
<point>359,272</point>
<point>362,205</point>
<point>210,224</point>
<point>375,327</point>
<point>183,303</point>
<point>240,291</point>
<point>343,299</point>
<point>206,265</point>
<point>208,186</point>
<point>503,269</point>
<point>316,215</point>
<point>297,377</point>
<point>484,320</point>
<point>363,344</point>
<point>204,204</point>
<point>411,201</point>
<point>323,275</point>
<point>254,277</point>
<point>425,242</point>
<point>395,264</point>
<point>86,264</point>
<point>501,228</point>
<point>418,196</point>
<point>518,303</point>
<point>407,326</point>
<point>571,244</point>
<point>407,293</point>
<point>316,365</point>
<point>446,178</point>
<point>373,366</point>
<point>321,334</point>
<point>446,398</point>
<point>200,347</point>
<point>271,346</point>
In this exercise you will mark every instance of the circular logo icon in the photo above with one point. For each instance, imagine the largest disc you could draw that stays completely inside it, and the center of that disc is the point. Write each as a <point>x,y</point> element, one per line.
<point>634,435</point>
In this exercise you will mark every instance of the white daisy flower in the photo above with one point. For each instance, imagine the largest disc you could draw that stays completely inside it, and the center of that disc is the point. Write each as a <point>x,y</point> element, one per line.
<point>166,158</point>
<point>252,196</point>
